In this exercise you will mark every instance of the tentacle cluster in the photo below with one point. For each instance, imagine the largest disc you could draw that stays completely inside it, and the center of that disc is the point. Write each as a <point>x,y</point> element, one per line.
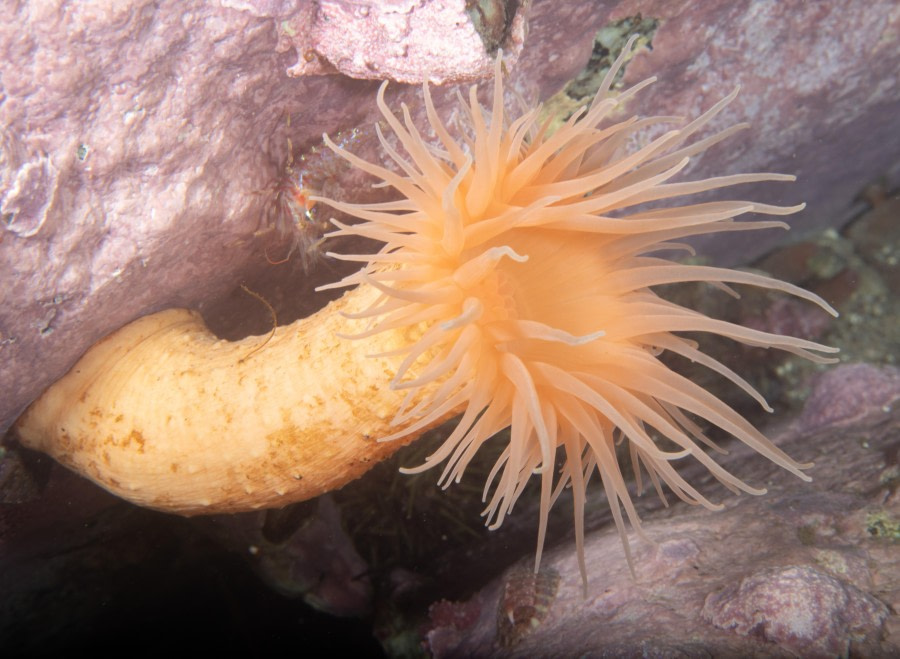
<point>525,286</point>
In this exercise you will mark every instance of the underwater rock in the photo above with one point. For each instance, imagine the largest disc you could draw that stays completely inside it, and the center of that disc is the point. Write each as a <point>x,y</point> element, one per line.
<point>300,551</point>
<point>807,569</point>
<point>801,609</point>
<point>404,40</point>
<point>846,394</point>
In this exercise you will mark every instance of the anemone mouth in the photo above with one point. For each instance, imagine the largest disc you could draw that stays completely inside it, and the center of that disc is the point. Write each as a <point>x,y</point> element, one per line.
<point>525,285</point>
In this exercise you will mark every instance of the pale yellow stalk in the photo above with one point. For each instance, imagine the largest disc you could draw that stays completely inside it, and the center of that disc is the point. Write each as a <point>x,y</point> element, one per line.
<point>166,415</point>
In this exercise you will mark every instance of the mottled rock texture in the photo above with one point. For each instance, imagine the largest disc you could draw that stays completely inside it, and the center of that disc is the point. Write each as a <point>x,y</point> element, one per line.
<point>140,142</point>
<point>802,609</point>
<point>403,40</point>
<point>809,569</point>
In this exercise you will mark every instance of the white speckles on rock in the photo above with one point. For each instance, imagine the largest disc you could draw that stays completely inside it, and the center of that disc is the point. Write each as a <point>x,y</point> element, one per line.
<point>26,200</point>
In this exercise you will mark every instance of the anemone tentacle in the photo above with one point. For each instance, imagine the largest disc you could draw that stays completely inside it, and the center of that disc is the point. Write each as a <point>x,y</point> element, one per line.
<point>526,288</point>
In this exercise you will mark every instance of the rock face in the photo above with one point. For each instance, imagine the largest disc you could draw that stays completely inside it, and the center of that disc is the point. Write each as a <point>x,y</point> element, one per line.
<point>801,609</point>
<point>403,40</point>
<point>141,144</point>
<point>808,569</point>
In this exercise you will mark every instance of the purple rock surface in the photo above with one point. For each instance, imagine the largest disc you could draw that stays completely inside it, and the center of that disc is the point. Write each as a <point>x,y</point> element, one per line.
<point>403,40</point>
<point>801,609</point>
<point>844,395</point>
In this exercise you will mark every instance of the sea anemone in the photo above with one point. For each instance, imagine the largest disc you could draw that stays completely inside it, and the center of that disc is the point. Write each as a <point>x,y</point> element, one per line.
<point>515,285</point>
<point>520,265</point>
